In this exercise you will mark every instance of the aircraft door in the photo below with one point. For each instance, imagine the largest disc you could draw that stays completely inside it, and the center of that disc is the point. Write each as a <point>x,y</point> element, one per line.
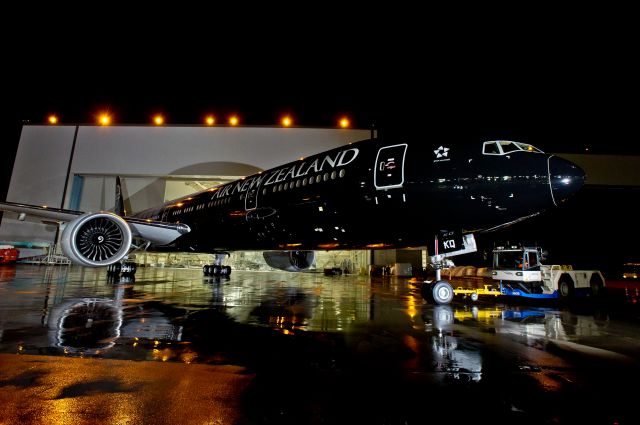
<point>389,167</point>
<point>251,199</point>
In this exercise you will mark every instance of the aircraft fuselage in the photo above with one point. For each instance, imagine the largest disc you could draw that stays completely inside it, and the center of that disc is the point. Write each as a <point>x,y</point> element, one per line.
<point>372,194</point>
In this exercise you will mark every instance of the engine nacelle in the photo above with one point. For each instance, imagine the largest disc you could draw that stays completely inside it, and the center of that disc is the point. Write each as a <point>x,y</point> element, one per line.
<point>290,261</point>
<point>96,239</point>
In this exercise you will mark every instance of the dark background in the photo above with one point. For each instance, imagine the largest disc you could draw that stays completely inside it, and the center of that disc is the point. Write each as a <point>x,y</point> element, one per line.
<point>562,80</point>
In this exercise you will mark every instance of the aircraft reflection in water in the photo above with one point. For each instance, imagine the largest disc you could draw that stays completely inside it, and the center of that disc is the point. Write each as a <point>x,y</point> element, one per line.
<point>89,326</point>
<point>86,326</point>
<point>454,355</point>
<point>293,304</point>
<point>73,312</point>
<point>76,324</point>
<point>451,357</point>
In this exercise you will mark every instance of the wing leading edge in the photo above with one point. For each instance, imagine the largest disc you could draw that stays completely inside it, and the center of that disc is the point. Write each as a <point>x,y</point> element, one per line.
<point>156,232</point>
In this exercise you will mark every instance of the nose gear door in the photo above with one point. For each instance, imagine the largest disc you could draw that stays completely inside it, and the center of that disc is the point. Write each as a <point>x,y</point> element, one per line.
<point>389,168</point>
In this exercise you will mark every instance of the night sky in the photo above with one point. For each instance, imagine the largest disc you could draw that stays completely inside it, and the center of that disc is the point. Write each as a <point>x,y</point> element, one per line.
<point>563,83</point>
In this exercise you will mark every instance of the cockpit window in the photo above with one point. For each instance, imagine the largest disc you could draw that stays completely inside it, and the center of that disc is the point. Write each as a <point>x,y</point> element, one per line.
<point>504,147</point>
<point>491,148</point>
<point>508,147</point>
<point>528,148</point>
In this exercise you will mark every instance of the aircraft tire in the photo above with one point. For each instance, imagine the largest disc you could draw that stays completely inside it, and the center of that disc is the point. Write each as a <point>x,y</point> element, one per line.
<point>128,268</point>
<point>115,268</point>
<point>442,292</point>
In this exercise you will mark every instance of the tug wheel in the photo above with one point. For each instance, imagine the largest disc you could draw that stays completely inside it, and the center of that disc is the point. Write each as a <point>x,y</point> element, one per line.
<point>565,287</point>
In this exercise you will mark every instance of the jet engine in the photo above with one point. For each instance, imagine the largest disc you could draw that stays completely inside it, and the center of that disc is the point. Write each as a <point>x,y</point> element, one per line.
<point>290,261</point>
<point>96,239</point>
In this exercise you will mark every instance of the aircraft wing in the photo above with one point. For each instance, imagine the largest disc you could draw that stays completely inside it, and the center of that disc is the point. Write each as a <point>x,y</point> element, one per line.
<point>42,211</point>
<point>156,232</point>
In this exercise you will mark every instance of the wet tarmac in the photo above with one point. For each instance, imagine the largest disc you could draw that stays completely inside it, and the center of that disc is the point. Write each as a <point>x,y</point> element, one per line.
<point>280,348</point>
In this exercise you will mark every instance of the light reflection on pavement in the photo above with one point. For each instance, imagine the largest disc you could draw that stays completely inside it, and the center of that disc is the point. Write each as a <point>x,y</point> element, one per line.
<point>301,345</point>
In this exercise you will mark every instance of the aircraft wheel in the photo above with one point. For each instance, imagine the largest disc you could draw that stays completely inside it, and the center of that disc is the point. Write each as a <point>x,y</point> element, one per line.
<point>215,270</point>
<point>227,270</point>
<point>128,268</point>
<point>442,292</point>
<point>565,287</point>
<point>206,270</point>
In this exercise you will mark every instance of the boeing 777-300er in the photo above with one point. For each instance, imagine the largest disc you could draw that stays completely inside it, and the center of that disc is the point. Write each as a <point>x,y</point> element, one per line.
<point>371,194</point>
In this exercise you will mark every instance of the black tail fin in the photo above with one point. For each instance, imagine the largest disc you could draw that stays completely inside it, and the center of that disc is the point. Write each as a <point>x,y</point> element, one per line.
<point>119,207</point>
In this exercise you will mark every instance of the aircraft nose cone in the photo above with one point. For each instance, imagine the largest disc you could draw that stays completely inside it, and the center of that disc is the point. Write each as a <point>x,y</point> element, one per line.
<point>565,178</point>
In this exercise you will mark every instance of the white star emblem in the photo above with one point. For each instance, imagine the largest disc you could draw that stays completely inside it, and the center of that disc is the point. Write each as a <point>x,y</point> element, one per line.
<point>441,151</point>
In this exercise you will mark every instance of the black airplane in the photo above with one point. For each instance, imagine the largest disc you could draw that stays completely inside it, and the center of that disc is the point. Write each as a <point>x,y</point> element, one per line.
<point>371,194</point>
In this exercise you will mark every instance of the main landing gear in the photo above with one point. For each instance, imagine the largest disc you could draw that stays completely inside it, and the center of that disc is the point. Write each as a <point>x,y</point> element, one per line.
<point>217,269</point>
<point>124,268</point>
<point>122,272</point>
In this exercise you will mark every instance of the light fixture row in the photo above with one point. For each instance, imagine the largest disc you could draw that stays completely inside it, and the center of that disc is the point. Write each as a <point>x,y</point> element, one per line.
<point>210,120</point>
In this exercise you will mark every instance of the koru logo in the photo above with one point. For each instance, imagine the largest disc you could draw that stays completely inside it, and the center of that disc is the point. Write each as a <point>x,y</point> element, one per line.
<point>441,152</point>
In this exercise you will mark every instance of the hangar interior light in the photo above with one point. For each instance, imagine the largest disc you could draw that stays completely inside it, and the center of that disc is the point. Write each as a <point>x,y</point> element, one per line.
<point>53,119</point>
<point>210,120</point>
<point>158,119</point>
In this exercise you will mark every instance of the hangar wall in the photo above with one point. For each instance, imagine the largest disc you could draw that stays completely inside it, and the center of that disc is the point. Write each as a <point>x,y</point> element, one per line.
<point>49,157</point>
